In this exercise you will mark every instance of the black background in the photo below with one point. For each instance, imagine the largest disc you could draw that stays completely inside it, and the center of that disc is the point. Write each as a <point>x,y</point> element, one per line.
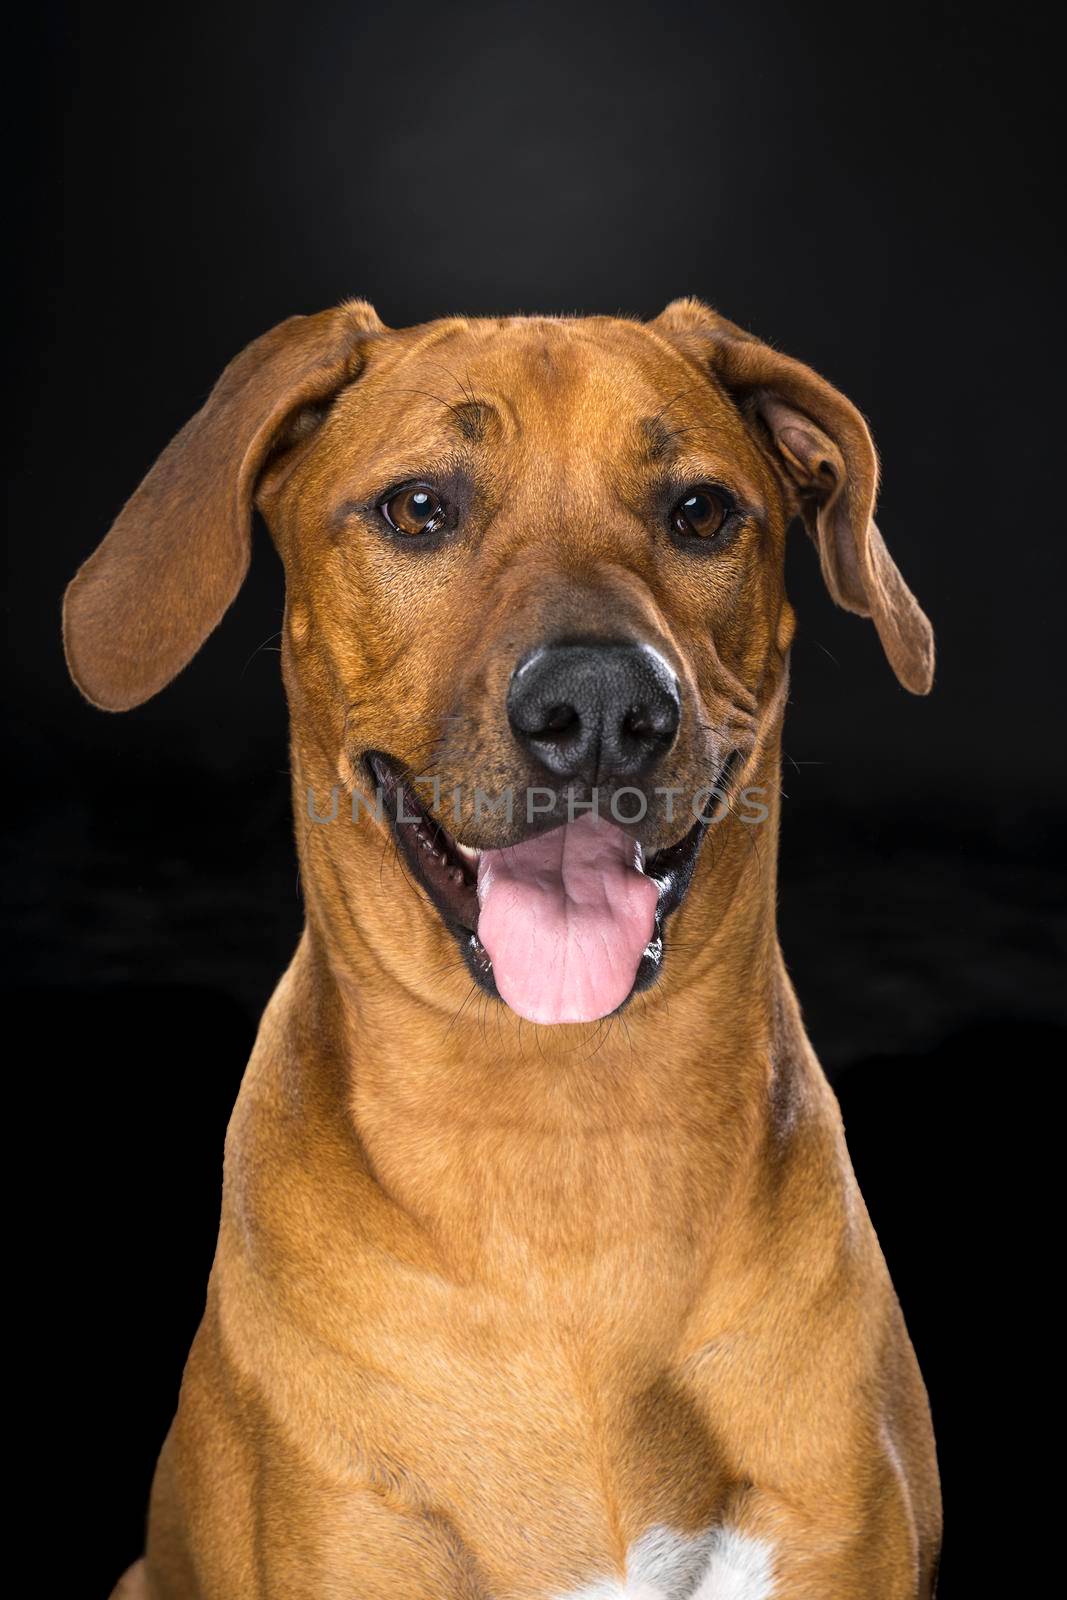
<point>870,189</point>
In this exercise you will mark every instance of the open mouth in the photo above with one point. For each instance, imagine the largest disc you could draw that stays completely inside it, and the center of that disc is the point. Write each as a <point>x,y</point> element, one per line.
<point>565,926</point>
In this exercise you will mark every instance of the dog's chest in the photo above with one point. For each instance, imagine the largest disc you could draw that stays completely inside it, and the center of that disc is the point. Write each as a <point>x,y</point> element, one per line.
<point>564,1468</point>
<point>524,1391</point>
<point>569,1481</point>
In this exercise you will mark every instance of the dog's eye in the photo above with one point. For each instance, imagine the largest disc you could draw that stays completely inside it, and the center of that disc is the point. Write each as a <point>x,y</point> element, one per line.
<point>414,511</point>
<point>701,514</point>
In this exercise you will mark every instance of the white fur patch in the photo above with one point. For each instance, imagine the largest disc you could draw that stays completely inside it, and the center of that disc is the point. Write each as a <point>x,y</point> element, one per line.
<point>720,1564</point>
<point>741,1568</point>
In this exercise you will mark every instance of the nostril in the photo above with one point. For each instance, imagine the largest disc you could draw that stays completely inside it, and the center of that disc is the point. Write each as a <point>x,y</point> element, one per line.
<point>648,724</point>
<point>559,722</point>
<point>638,724</point>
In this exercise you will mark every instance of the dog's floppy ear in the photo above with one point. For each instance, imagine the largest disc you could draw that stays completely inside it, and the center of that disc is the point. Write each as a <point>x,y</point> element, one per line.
<point>822,443</point>
<point>143,603</point>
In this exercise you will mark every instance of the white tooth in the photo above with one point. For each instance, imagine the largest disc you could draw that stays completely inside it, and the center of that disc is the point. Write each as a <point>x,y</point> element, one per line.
<point>465,850</point>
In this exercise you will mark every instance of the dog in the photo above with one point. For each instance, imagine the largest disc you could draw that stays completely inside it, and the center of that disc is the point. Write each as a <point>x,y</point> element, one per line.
<point>542,1272</point>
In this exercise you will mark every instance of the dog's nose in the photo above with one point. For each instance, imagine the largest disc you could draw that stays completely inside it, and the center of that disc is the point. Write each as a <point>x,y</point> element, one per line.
<point>595,710</point>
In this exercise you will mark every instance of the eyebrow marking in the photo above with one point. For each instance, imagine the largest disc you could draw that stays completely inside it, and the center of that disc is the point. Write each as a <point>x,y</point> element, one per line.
<point>662,442</point>
<point>471,419</point>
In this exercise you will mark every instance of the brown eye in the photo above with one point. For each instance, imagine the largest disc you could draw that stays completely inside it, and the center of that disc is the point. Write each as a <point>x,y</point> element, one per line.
<point>701,514</point>
<point>414,511</point>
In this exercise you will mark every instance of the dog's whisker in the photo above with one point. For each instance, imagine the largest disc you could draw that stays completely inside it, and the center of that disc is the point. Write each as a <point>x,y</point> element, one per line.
<point>260,647</point>
<point>473,990</point>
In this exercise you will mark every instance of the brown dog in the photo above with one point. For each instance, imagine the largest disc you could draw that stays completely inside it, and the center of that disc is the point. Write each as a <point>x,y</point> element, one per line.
<point>502,1308</point>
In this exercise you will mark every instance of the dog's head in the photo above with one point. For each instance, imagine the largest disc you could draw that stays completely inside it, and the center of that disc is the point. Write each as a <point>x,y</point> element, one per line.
<point>535,599</point>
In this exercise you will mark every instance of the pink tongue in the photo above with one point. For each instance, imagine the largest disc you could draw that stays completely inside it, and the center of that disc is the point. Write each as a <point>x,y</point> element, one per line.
<point>565,919</point>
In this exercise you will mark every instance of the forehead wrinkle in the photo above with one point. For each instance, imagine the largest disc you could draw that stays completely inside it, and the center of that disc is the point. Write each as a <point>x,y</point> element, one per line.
<point>435,333</point>
<point>708,407</point>
<point>699,380</point>
<point>381,378</point>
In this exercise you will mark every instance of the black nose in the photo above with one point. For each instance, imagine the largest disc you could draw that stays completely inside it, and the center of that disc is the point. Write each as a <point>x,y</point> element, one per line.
<point>593,710</point>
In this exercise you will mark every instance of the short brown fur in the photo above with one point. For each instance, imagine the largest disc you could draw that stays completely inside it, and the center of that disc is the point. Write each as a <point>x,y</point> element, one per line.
<point>492,1299</point>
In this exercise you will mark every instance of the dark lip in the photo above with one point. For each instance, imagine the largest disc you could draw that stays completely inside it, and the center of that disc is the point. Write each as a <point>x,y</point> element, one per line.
<point>450,882</point>
<point>438,867</point>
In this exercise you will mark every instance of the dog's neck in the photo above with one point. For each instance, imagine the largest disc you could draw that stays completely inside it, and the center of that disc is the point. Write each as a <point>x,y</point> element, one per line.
<point>462,1110</point>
